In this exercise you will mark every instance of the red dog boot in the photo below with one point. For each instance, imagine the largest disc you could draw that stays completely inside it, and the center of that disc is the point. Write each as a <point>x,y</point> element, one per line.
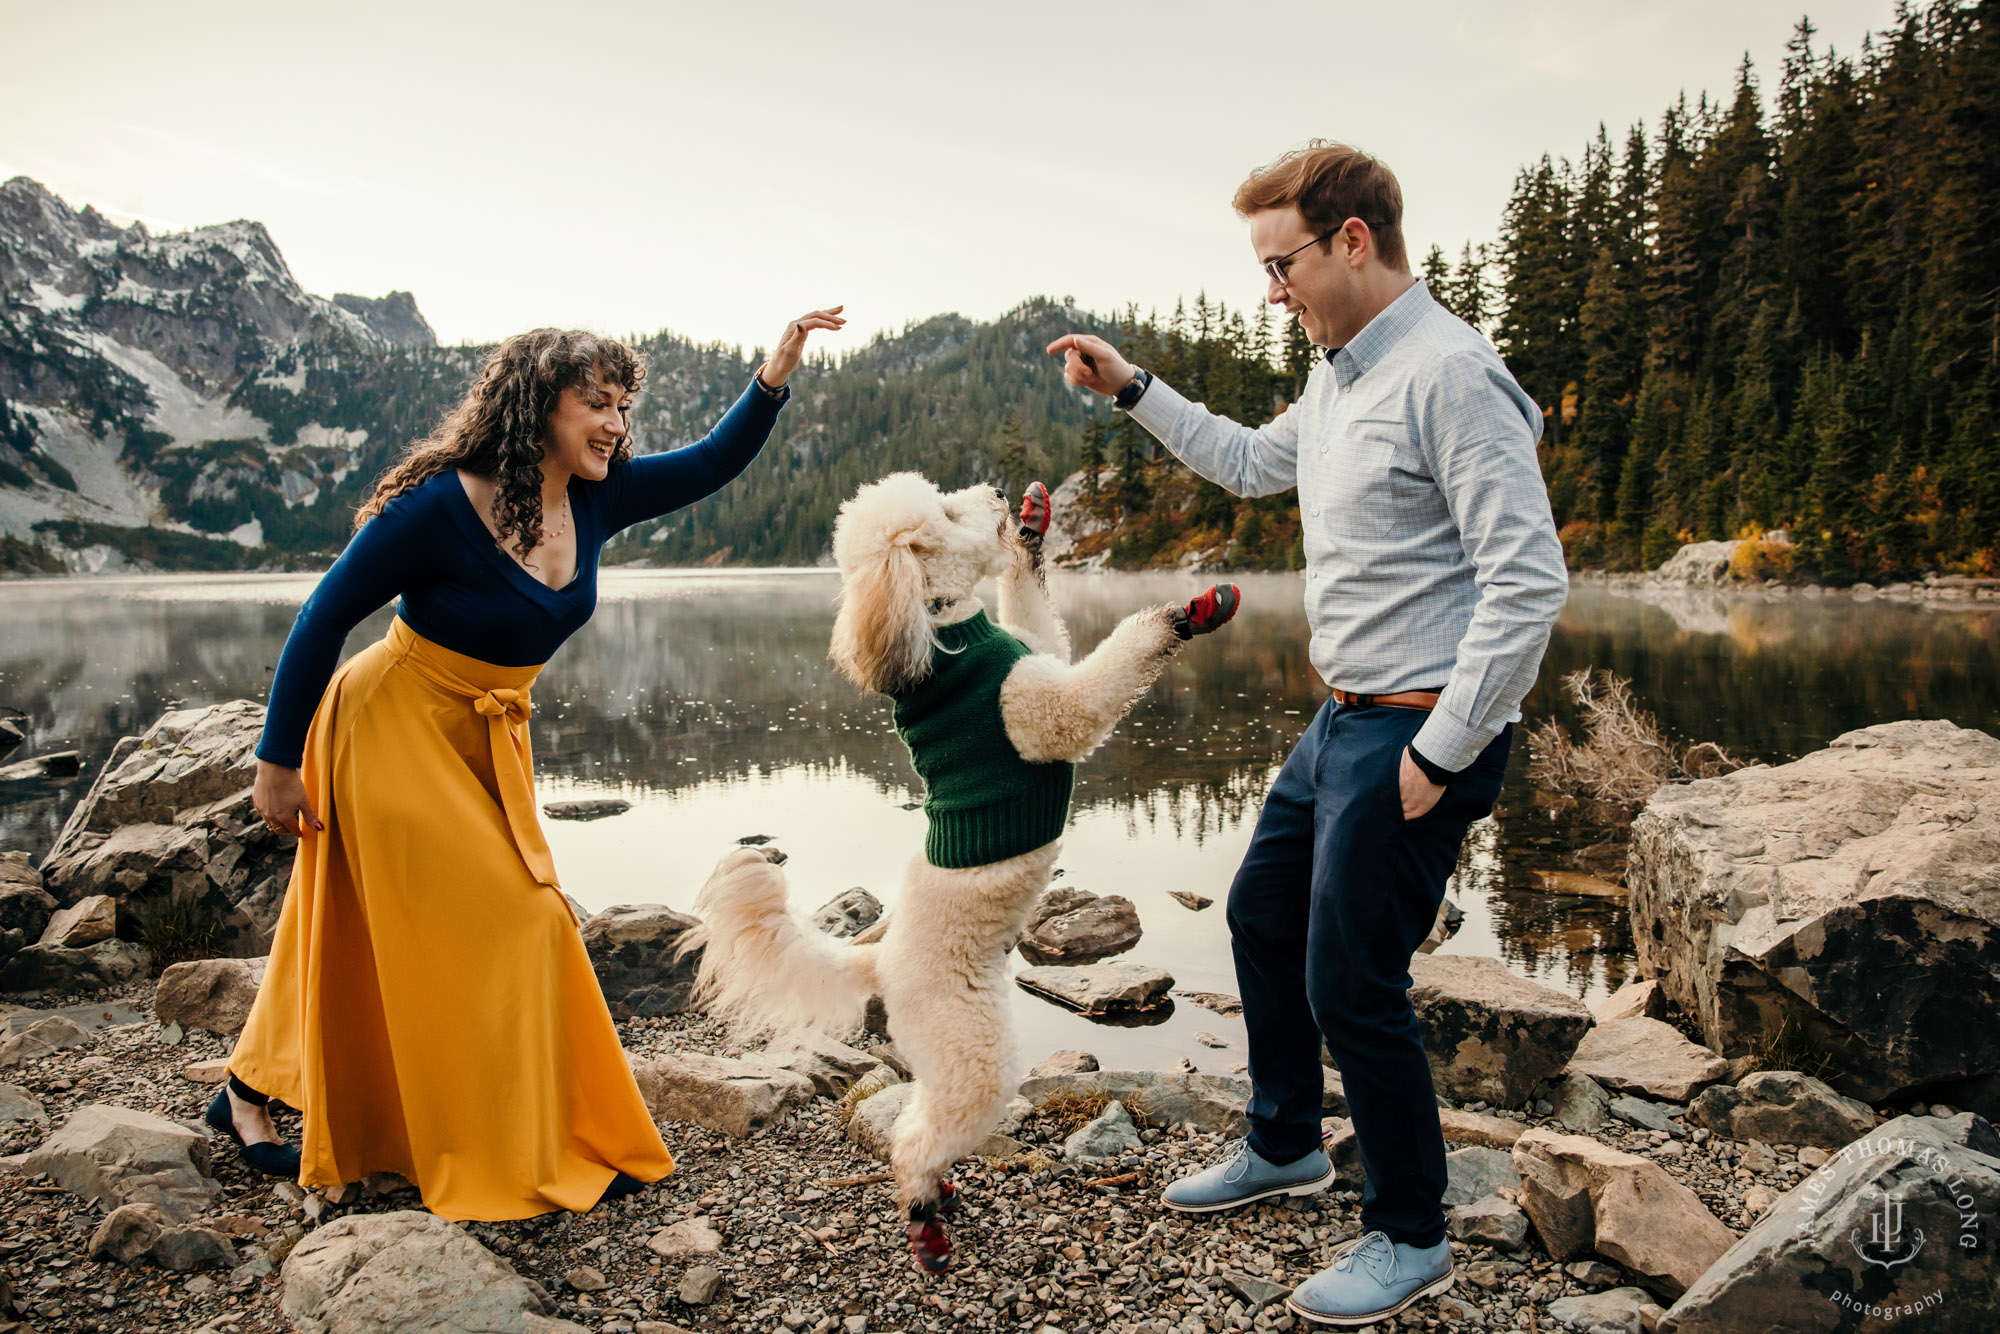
<point>929,1242</point>
<point>1209,612</point>
<point>950,1198</point>
<point>1035,511</point>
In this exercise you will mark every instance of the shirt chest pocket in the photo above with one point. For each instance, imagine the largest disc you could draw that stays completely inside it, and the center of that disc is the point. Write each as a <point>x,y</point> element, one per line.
<point>1375,478</point>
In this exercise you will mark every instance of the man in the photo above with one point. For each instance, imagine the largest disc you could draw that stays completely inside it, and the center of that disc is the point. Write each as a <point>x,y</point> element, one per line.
<point>1433,575</point>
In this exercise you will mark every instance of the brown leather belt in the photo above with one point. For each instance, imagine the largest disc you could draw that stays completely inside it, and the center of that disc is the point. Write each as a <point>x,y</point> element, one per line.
<point>1406,699</point>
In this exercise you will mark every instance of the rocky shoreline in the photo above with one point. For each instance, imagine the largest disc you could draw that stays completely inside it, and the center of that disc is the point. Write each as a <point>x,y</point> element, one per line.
<point>1658,1164</point>
<point>790,1226</point>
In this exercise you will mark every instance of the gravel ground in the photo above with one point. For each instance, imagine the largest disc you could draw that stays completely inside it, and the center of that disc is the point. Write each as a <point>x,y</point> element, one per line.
<point>1035,1249</point>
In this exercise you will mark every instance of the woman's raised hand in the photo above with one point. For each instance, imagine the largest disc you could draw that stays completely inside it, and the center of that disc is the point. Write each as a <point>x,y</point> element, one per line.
<point>778,367</point>
<point>279,795</point>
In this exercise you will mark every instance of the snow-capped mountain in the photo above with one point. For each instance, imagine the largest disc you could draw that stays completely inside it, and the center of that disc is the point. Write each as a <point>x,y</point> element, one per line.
<point>162,381</point>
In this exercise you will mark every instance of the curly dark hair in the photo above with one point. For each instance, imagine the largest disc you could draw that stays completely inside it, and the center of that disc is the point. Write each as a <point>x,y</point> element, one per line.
<point>496,429</point>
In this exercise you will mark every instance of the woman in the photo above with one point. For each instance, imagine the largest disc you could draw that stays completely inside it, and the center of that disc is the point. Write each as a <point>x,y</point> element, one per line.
<point>429,1005</point>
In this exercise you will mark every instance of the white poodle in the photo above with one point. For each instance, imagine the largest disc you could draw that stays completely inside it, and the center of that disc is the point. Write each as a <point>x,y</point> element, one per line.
<point>995,718</point>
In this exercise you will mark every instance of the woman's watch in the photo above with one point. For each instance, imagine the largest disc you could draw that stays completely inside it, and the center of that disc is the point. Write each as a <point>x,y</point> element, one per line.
<point>1134,390</point>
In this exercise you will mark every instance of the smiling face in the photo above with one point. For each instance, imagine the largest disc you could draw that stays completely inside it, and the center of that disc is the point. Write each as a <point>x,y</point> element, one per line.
<point>1322,290</point>
<point>590,421</point>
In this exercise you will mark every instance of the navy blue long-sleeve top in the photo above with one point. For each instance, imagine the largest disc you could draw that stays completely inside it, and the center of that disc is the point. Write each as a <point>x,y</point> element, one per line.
<point>460,590</point>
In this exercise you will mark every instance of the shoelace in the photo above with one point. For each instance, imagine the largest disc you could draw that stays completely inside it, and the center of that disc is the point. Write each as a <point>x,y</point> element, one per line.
<point>1378,1259</point>
<point>1238,1158</point>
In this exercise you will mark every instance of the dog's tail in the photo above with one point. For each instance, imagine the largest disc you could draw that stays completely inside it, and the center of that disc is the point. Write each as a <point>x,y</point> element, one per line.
<point>761,970</point>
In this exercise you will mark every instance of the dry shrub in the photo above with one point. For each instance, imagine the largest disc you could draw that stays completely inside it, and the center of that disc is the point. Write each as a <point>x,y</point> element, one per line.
<point>1624,758</point>
<point>1067,1112</point>
<point>1762,555</point>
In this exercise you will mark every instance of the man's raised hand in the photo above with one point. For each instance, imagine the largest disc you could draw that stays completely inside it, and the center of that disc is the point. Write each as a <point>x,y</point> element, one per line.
<point>1092,363</point>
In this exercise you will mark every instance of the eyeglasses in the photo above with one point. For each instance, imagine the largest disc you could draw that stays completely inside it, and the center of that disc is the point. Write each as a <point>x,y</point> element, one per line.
<point>1280,269</point>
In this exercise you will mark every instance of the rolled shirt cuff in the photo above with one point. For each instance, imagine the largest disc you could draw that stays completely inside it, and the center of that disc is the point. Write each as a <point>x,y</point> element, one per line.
<point>1450,744</point>
<point>1436,773</point>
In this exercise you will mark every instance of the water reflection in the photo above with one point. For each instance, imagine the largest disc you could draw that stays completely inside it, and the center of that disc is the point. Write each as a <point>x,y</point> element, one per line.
<point>706,700</point>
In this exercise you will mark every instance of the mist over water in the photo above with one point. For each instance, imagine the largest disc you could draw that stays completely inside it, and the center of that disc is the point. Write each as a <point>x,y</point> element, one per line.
<point>706,700</point>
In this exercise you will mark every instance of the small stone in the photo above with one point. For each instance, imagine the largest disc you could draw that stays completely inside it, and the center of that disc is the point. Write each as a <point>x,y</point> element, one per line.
<point>1210,1040</point>
<point>589,809</point>
<point>690,1236</point>
<point>1099,988</point>
<point>586,1278</point>
<point>192,1248</point>
<point>1814,1157</point>
<point>1109,1135</point>
<point>1192,902</point>
<point>699,1285</point>
<point>1064,1063</point>
<point>1489,1221</point>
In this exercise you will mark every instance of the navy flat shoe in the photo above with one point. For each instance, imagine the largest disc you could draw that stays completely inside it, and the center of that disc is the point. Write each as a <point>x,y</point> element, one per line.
<point>621,1186</point>
<point>273,1160</point>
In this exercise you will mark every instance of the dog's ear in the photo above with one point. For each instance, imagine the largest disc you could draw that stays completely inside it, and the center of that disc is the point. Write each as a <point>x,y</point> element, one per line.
<point>882,638</point>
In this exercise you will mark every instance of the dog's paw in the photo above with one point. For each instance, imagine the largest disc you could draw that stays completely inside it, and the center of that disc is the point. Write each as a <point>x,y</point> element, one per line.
<point>1036,511</point>
<point>1209,612</point>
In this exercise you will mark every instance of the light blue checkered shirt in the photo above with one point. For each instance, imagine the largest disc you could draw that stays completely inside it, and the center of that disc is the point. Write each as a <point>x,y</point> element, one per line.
<point>1431,555</point>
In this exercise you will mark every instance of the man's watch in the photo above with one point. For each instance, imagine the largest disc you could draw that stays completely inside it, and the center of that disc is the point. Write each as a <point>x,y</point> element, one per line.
<point>1134,390</point>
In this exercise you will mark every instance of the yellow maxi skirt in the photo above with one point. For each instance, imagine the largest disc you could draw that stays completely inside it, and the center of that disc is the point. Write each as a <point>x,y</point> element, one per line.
<point>429,1005</point>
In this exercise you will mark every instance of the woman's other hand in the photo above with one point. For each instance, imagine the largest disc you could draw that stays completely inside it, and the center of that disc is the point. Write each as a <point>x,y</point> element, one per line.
<point>279,795</point>
<point>779,366</point>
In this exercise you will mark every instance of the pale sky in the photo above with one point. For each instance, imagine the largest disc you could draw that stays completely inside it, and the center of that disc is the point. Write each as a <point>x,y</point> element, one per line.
<point>717,169</point>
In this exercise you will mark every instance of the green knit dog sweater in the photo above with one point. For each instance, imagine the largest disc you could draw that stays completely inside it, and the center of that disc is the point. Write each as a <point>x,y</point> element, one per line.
<point>984,802</point>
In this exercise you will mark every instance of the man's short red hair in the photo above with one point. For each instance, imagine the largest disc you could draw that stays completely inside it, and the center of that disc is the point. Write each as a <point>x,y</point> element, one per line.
<point>1329,183</point>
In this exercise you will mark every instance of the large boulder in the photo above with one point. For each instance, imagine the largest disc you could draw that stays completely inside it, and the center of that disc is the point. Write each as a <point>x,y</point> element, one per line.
<point>55,1033</point>
<point>398,1273</point>
<point>1782,1107</point>
<point>1698,564</point>
<point>115,1155</point>
<point>632,951</point>
<point>1491,1035</point>
<point>85,922</point>
<point>871,1123</point>
<point>729,1096</point>
<point>25,907</point>
<point>1100,988</point>
<point>20,1107</point>
<point>1213,1104</point>
<point>1073,926</point>
<point>831,1066</point>
<point>109,963</point>
<point>1851,897</point>
<point>1641,1055</point>
<point>1896,1225</point>
<point>134,1232</point>
<point>214,995</point>
<point>169,816</point>
<point>1585,1197</point>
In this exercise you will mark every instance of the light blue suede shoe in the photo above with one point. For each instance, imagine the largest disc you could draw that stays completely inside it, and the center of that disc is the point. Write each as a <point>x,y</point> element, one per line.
<point>1246,1176</point>
<point>1371,1279</point>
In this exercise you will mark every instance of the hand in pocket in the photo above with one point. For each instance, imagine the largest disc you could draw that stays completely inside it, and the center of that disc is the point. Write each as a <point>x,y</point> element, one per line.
<point>1419,792</point>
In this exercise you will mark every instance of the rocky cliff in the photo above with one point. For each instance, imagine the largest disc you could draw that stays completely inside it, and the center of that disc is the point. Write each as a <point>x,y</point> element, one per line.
<point>161,382</point>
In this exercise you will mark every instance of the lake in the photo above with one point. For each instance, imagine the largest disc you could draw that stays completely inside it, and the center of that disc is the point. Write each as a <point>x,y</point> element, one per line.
<point>705,699</point>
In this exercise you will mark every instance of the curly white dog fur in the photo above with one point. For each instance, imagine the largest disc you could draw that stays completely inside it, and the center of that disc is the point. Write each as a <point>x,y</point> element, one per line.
<point>909,557</point>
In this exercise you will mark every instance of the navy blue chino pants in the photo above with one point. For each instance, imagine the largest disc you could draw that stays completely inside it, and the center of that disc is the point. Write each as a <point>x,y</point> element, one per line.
<point>1334,895</point>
